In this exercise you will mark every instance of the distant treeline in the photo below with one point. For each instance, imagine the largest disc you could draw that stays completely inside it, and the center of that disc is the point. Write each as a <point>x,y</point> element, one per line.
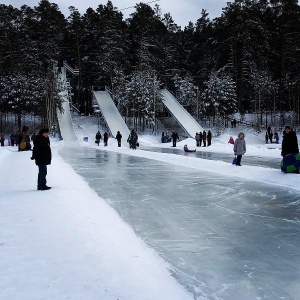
<point>248,59</point>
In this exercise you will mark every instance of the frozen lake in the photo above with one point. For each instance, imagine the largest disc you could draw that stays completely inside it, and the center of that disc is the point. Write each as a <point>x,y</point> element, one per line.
<point>224,238</point>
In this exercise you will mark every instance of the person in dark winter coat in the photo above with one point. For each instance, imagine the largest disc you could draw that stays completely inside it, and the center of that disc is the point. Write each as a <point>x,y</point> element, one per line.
<point>239,148</point>
<point>118,138</point>
<point>2,139</point>
<point>208,138</point>
<point>98,137</point>
<point>41,153</point>
<point>105,138</point>
<point>133,139</point>
<point>197,138</point>
<point>204,138</point>
<point>175,138</point>
<point>200,138</point>
<point>289,142</point>
<point>271,136</point>
<point>267,137</point>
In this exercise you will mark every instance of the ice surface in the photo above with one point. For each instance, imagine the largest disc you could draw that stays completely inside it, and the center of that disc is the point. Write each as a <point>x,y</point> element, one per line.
<point>225,238</point>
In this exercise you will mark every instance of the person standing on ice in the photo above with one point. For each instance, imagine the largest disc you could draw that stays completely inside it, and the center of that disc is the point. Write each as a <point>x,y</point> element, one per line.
<point>239,148</point>
<point>204,138</point>
<point>200,138</point>
<point>197,138</point>
<point>208,138</point>
<point>175,138</point>
<point>98,137</point>
<point>41,153</point>
<point>132,139</point>
<point>118,138</point>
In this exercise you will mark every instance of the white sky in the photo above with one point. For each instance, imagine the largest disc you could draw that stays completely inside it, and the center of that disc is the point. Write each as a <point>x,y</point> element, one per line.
<point>181,11</point>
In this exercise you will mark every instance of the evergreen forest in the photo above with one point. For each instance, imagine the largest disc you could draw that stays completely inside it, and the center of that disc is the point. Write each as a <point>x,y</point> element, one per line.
<point>247,60</point>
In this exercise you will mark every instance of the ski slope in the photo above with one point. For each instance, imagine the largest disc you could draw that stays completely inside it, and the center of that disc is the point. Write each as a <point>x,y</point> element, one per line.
<point>111,114</point>
<point>187,122</point>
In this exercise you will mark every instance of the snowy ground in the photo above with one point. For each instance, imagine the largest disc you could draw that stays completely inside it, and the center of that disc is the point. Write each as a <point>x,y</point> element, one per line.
<point>68,243</point>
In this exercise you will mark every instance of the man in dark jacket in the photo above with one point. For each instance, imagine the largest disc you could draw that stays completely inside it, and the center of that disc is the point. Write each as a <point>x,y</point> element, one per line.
<point>118,138</point>
<point>175,138</point>
<point>42,155</point>
<point>289,142</point>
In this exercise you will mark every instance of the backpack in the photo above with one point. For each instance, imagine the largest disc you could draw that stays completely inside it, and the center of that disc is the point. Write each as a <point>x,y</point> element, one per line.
<point>23,145</point>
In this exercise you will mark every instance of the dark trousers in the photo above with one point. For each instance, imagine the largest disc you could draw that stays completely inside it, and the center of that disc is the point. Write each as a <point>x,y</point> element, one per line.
<point>42,175</point>
<point>238,159</point>
<point>174,143</point>
<point>119,143</point>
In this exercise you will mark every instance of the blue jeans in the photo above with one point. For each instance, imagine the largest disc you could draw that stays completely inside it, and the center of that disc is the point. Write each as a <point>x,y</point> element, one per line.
<point>42,175</point>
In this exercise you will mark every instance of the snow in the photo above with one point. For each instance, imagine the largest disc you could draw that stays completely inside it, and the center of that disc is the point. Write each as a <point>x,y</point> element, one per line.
<point>68,243</point>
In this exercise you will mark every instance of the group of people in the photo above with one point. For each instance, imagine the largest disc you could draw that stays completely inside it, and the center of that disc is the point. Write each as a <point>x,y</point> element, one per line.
<point>21,139</point>
<point>41,152</point>
<point>98,138</point>
<point>203,137</point>
<point>132,139</point>
<point>270,135</point>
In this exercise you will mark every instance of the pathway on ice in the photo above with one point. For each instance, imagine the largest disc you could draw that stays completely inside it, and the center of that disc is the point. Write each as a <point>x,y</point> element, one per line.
<point>225,238</point>
<point>247,160</point>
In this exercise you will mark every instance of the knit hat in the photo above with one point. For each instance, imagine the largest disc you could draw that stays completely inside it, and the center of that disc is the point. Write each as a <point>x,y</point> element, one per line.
<point>43,130</point>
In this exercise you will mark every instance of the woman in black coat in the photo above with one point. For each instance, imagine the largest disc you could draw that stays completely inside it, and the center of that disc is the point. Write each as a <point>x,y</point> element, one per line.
<point>289,142</point>
<point>41,153</point>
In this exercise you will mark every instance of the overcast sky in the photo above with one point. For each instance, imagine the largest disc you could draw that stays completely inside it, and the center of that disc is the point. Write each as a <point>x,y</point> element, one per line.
<point>182,11</point>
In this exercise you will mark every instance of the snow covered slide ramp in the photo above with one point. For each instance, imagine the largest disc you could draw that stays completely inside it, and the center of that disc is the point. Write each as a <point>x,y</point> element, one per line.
<point>187,122</point>
<point>111,114</point>
<point>65,123</point>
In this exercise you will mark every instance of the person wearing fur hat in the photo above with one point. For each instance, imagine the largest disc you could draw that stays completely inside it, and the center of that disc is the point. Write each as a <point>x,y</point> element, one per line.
<point>41,153</point>
<point>239,148</point>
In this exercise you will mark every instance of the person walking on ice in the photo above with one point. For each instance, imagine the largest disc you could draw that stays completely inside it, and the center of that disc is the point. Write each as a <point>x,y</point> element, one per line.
<point>118,138</point>
<point>98,137</point>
